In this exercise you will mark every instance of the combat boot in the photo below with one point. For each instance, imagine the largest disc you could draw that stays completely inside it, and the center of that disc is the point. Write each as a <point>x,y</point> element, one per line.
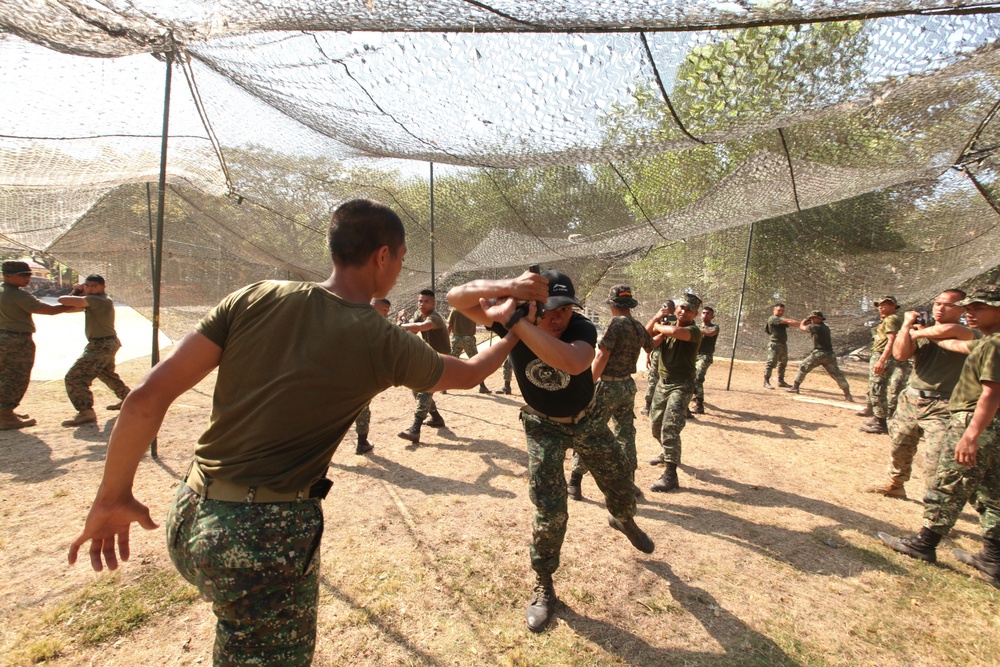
<point>363,445</point>
<point>85,416</point>
<point>645,411</point>
<point>505,390</point>
<point>436,420</point>
<point>118,405</point>
<point>543,602</point>
<point>699,406</point>
<point>878,427</point>
<point>10,421</point>
<point>782,383</point>
<point>667,482</point>
<point>483,389</point>
<point>890,489</point>
<point>848,397</point>
<point>794,389</point>
<point>413,433</point>
<point>639,539</point>
<point>573,486</point>
<point>867,412</point>
<point>657,460</point>
<point>922,546</point>
<point>767,383</point>
<point>986,561</point>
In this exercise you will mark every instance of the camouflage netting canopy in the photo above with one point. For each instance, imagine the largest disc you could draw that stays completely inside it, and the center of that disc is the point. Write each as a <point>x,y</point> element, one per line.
<point>830,152</point>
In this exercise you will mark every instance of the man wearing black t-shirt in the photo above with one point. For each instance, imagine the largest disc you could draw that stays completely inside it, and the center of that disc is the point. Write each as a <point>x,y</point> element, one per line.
<point>552,363</point>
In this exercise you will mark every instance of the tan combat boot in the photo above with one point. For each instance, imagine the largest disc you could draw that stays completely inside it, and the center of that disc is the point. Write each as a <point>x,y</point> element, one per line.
<point>86,416</point>
<point>890,489</point>
<point>10,421</point>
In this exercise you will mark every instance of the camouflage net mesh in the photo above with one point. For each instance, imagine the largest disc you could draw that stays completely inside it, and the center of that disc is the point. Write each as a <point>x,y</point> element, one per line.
<point>838,153</point>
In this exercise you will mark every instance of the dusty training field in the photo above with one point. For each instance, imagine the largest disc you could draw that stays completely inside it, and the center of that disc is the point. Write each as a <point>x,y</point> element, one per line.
<point>766,556</point>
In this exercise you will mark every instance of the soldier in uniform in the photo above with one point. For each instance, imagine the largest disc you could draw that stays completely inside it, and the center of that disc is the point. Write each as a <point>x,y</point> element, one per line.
<point>706,355</point>
<point>614,364</point>
<point>822,355</point>
<point>676,371</point>
<point>777,347</point>
<point>968,469</point>
<point>669,309</point>
<point>434,331</point>
<point>98,358</point>
<point>552,363</point>
<point>297,362</point>
<point>508,372</point>
<point>463,339</point>
<point>882,364</point>
<point>923,405</point>
<point>364,421</point>
<point>17,349</point>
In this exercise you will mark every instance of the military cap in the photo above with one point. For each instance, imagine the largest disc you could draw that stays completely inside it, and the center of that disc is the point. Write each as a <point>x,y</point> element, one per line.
<point>817,313</point>
<point>890,299</point>
<point>689,301</point>
<point>989,294</point>
<point>621,297</point>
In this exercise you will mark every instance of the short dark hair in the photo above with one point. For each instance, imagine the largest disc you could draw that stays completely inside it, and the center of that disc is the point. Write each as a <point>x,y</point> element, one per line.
<point>359,227</point>
<point>385,301</point>
<point>778,305</point>
<point>709,309</point>
<point>956,291</point>
<point>427,292</point>
<point>668,303</point>
<point>94,278</point>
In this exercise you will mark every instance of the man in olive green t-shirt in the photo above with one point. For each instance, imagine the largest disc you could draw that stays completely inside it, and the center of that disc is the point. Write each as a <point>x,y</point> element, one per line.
<point>882,365</point>
<point>17,349</point>
<point>822,355</point>
<point>98,358</point>
<point>296,364</point>
<point>676,372</point>
<point>432,328</point>
<point>777,346</point>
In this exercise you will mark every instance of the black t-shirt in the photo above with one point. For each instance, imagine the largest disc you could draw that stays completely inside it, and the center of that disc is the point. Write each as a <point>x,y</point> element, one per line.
<point>551,391</point>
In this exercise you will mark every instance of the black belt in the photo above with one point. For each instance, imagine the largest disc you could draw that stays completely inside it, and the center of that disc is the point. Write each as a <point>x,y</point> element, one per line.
<point>15,333</point>
<point>94,340</point>
<point>927,393</point>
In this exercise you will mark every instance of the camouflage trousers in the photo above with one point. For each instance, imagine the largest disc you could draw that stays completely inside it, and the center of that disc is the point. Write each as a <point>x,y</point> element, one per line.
<point>701,365</point>
<point>258,564</point>
<point>460,344</point>
<point>954,484</point>
<point>425,403</point>
<point>777,358</point>
<point>547,444</point>
<point>827,361</point>
<point>508,371</point>
<point>668,415</point>
<point>97,361</point>
<point>883,390</point>
<point>616,402</point>
<point>364,421</point>
<point>652,376</point>
<point>17,356</point>
<point>917,418</point>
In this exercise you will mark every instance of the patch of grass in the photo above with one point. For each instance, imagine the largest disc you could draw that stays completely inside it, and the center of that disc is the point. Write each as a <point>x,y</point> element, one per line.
<point>60,493</point>
<point>43,650</point>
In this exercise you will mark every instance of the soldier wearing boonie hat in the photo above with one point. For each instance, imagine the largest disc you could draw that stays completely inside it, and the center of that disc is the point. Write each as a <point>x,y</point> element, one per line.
<point>822,354</point>
<point>968,469</point>
<point>17,349</point>
<point>886,376</point>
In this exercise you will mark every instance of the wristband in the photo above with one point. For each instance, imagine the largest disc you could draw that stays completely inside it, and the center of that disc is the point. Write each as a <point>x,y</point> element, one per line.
<point>519,312</point>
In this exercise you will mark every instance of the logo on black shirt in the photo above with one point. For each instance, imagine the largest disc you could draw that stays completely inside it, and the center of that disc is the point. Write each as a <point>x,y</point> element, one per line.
<point>545,377</point>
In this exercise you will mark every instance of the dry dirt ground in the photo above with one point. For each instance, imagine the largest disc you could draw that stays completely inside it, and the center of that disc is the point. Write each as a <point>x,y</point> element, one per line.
<point>766,556</point>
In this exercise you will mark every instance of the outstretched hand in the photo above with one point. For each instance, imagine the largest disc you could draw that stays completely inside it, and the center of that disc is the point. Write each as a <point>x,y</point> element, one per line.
<point>107,522</point>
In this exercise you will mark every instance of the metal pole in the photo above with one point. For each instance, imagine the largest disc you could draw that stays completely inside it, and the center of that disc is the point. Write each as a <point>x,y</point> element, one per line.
<point>739,313</point>
<point>158,244</point>
<point>432,226</point>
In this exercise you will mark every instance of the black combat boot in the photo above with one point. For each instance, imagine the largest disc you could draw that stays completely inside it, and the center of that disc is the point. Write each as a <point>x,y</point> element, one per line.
<point>668,481</point>
<point>922,546</point>
<point>847,396</point>
<point>699,406</point>
<point>573,486</point>
<point>879,426</point>
<point>363,445</point>
<point>794,389</point>
<point>634,533</point>
<point>435,419</point>
<point>656,460</point>
<point>782,383</point>
<point>645,411</point>
<point>543,602</point>
<point>505,390</point>
<point>413,433</point>
<point>767,382</point>
<point>483,389</point>
<point>986,561</point>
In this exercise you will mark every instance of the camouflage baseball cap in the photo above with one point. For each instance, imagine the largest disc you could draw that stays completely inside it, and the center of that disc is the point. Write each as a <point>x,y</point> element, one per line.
<point>621,297</point>
<point>890,299</point>
<point>817,313</point>
<point>689,301</point>
<point>15,268</point>
<point>989,294</point>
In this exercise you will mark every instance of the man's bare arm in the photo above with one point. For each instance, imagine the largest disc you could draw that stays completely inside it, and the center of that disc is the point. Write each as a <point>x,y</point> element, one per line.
<point>986,409</point>
<point>465,374</point>
<point>414,327</point>
<point>526,287</point>
<point>600,362</point>
<point>673,331</point>
<point>955,345</point>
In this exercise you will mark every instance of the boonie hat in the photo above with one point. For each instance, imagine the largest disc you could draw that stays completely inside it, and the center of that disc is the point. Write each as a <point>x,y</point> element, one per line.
<point>561,291</point>
<point>621,297</point>
<point>817,313</point>
<point>13,268</point>
<point>989,294</point>
<point>689,301</point>
<point>890,299</point>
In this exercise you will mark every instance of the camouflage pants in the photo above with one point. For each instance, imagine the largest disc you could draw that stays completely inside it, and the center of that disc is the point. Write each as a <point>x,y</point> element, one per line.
<point>827,361</point>
<point>615,401</point>
<point>777,358</point>
<point>364,421</point>
<point>668,415</point>
<point>547,444</point>
<point>508,371</point>
<point>954,484</point>
<point>917,418</point>
<point>897,383</point>
<point>700,370</point>
<point>258,564</point>
<point>425,403</point>
<point>652,376</point>
<point>17,356</point>
<point>460,344</point>
<point>883,390</point>
<point>97,361</point>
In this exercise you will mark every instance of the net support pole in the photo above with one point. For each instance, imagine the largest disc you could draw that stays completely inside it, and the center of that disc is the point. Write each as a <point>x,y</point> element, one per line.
<point>432,228</point>
<point>739,309</point>
<point>160,204</point>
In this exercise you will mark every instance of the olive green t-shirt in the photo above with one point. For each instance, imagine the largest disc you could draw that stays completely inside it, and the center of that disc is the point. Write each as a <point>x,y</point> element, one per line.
<point>678,357</point>
<point>778,331</point>
<point>822,339</point>
<point>16,307</point>
<point>460,324</point>
<point>935,368</point>
<point>890,325</point>
<point>99,316</point>
<point>298,366</point>
<point>982,365</point>
<point>437,337</point>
